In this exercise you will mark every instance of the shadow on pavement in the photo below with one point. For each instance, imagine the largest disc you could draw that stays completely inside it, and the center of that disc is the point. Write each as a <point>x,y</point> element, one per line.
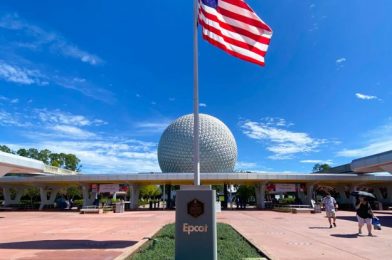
<point>386,221</point>
<point>67,244</point>
<point>345,235</point>
<point>318,227</point>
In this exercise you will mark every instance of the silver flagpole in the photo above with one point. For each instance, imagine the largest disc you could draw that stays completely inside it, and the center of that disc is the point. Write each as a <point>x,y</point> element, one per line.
<point>196,123</point>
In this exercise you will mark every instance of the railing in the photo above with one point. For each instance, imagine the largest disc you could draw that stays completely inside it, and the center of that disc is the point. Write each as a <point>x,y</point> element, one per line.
<point>58,171</point>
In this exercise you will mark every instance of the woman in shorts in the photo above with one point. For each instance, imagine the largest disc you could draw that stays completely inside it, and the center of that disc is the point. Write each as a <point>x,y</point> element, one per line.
<point>364,215</point>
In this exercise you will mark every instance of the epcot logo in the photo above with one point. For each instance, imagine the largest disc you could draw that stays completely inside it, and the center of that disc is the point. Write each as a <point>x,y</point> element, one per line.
<point>195,208</point>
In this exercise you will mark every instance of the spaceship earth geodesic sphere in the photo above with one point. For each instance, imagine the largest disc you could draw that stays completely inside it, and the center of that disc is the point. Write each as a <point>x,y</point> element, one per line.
<point>218,149</point>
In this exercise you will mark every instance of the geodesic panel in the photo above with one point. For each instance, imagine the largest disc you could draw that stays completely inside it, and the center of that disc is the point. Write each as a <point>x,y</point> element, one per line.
<point>218,149</point>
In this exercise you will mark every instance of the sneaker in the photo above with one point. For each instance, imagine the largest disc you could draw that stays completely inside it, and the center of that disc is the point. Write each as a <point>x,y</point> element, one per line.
<point>359,232</point>
<point>334,224</point>
<point>370,234</point>
<point>330,226</point>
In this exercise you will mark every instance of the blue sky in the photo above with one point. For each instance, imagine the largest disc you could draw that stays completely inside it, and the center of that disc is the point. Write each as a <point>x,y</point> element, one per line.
<point>102,80</point>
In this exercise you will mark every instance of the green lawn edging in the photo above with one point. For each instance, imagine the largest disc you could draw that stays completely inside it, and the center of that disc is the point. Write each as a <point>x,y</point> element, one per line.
<point>231,245</point>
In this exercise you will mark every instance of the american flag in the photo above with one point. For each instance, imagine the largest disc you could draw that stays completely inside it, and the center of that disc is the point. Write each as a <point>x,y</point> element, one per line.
<point>235,28</point>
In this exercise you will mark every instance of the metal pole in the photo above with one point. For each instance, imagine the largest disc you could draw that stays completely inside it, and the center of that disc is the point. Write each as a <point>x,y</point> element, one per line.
<point>196,127</point>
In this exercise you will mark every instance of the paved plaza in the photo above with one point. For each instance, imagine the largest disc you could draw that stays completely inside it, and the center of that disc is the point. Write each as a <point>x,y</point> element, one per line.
<point>68,235</point>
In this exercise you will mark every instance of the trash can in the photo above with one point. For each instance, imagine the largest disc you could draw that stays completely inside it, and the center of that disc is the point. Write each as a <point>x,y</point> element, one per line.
<point>119,208</point>
<point>317,208</point>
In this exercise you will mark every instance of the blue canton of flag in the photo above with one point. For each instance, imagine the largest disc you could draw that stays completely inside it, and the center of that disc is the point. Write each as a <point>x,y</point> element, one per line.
<point>211,3</point>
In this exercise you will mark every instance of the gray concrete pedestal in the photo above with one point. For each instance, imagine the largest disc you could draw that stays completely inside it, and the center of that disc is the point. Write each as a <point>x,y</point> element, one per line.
<point>196,224</point>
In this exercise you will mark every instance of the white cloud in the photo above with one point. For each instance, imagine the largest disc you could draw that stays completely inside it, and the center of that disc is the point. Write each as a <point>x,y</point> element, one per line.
<point>365,97</point>
<point>15,119</point>
<point>379,140</point>
<point>59,117</point>
<point>50,124</point>
<point>26,76</point>
<point>276,121</point>
<point>152,126</point>
<point>203,105</point>
<point>17,69</point>
<point>315,27</point>
<point>245,165</point>
<point>41,38</point>
<point>109,156</point>
<point>86,88</point>
<point>99,152</point>
<point>317,161</point>
<point>72,132</point>
<point>20,75</point>
<point>340,60</point>
<point>372,148</point>
<point>11,101</point>
<point>282,143</point>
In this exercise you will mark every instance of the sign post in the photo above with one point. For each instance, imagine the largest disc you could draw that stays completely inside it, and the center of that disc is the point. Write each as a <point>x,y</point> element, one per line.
<point>196,224</point>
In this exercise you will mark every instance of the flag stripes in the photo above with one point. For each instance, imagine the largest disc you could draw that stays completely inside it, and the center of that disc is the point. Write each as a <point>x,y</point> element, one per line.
<point>233,26</point>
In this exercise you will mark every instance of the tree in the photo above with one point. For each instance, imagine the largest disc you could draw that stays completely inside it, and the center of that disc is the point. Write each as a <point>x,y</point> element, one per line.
<point>246,191</point>
<point>33,153</point>
<point>150,191</point>
<point>321,167</point>
<point>71,162</point>
<point>5,149</point>
<point>33,194</point>
<point>55,159</point>
<point>22,152</point>
<point>44,156</point>
<point>72,192</point>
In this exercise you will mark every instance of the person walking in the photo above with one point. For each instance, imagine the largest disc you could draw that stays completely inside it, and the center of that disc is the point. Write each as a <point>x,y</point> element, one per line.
<point>330,206</point>
<point>364,215</point>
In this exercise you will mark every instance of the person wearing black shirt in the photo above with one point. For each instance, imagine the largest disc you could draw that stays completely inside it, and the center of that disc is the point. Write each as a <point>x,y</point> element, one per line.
<point>364,215</point>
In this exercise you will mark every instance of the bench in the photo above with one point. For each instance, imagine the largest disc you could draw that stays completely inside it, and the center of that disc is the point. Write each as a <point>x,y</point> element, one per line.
<point>91,209</point>
<point>7,208</point>
<point>295,208</point>
<point>302,210</point>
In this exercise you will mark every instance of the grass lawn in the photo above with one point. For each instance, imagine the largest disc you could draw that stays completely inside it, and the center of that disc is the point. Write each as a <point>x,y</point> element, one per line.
<point>231,245</point>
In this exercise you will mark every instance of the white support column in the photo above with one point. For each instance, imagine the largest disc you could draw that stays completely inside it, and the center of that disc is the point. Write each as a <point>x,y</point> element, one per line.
<point>309,192</point>
<point>301,194</point>
<point>88,198</point>
<point>8,200</point>
<point>342,195</point>
<point>353,199</point>
<point>389,194</point>
<point>260,195</point>
<point>378,194</point>
<point>43,191</point>
<point>135,189</point>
